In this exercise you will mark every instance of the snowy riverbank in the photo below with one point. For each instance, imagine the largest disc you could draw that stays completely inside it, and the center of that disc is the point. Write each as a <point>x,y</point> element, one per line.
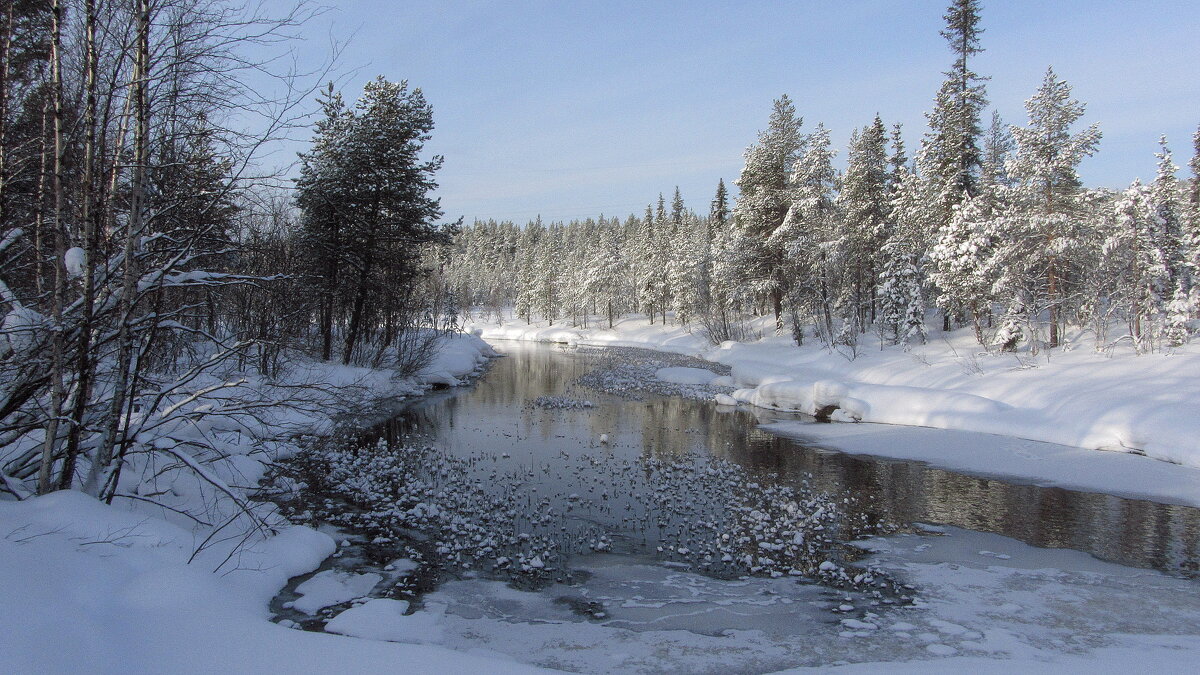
<point>137,588</point>
<point>1118,401</point>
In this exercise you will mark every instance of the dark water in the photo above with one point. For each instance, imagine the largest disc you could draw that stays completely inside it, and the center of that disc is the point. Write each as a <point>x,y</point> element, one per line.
<point>494,417</point>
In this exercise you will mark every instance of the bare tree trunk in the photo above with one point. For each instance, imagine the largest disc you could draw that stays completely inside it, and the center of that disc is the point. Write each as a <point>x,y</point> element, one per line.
<point>1052,293</point>
<point>5,70</point>
<point>360,301</point>
<point>57,347</point>
<point>84,367</point>
<point>133,228</point>
<point>39,218</point>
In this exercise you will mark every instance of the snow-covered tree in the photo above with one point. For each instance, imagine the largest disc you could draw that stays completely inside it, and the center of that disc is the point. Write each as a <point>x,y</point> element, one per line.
<point>365,194</point>
<point>997,146</point>
<point>901,275</point>
<point>864,205</point>
<point>1144,278</point>
<point>764,202</point>
<point>950,159</point>
<point>806,234</point>
<point>1044,214</point>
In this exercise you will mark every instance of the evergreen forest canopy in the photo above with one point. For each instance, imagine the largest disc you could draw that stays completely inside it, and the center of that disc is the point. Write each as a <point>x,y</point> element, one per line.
<point>989,224</point>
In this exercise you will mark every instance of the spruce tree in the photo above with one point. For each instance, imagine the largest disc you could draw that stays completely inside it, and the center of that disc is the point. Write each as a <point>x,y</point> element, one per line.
<point>950,158</point>
<point>718,213</point>
<point>1145,279</point>
<point>997,146</point>
<point>1191,229</point>
<point>318,194</point>
<point>863,201</point>
<point>1168,202</point>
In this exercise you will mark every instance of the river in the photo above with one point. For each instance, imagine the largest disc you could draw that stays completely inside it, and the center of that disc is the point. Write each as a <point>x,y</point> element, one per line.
<point>992,568</point>
<point>495,416</point>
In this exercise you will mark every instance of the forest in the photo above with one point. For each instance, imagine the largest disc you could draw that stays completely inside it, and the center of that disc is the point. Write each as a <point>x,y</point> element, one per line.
<point>154,269</point>
<point>987,225</point>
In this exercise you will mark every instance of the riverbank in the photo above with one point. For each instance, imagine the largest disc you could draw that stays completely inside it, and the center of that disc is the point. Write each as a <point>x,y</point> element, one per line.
<point>138,587</point>
<point>1112,401</point>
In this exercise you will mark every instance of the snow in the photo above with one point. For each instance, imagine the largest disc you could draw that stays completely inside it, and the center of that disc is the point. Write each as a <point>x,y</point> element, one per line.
<point>384,619</point>
<point>135,587</point>
<point>20,327</point>
<point>333,587</point>
<point>74,260</point>
<point>1115,400</point>
<point>1034,610</point>
<point>458,356</point>
<point>99,589</point>
<point>679,375</point>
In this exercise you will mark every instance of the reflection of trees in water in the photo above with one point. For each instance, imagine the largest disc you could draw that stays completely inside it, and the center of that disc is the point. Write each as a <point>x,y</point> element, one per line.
<point>1134,532</point>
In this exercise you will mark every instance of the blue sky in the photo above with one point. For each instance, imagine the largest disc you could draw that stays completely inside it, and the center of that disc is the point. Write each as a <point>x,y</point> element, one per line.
<point>570,109</point>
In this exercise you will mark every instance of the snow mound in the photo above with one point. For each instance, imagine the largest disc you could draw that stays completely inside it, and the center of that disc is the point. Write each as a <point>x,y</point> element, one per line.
<point>384,619</point>
<point>457,357</point>
<point>333,588</point>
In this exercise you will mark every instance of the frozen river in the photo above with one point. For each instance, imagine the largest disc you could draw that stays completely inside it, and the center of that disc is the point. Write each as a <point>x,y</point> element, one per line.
<point>1001,573</point>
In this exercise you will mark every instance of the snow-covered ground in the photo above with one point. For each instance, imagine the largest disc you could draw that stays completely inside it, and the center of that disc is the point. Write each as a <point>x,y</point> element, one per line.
<point>1112,400</point>
<point>90,588</point>
<point>137,588</point>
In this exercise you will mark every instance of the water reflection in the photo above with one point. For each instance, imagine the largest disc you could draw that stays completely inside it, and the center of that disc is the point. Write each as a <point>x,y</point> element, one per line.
<point>494,416</point>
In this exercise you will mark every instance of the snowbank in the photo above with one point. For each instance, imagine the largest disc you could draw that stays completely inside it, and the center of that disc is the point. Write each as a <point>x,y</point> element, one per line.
<point>136,587</point>
<point>458,356</point>
<point>99,589</point>
<point>1148,404</point>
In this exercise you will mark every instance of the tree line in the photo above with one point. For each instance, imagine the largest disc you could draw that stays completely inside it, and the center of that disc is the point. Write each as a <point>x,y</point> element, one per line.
<point>988,224</point>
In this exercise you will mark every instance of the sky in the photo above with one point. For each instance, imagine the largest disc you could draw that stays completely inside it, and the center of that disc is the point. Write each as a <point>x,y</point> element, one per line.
<point>574,109</point>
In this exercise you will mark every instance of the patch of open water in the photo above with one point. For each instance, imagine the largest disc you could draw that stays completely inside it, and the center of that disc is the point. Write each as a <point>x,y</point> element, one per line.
<point>493,416</point>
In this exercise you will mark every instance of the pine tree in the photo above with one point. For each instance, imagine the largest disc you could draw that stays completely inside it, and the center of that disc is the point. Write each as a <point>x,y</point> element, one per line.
<point>806,232</point>
<point>365,194</point>
<point>1047,197</point>
<point>764,202</point>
